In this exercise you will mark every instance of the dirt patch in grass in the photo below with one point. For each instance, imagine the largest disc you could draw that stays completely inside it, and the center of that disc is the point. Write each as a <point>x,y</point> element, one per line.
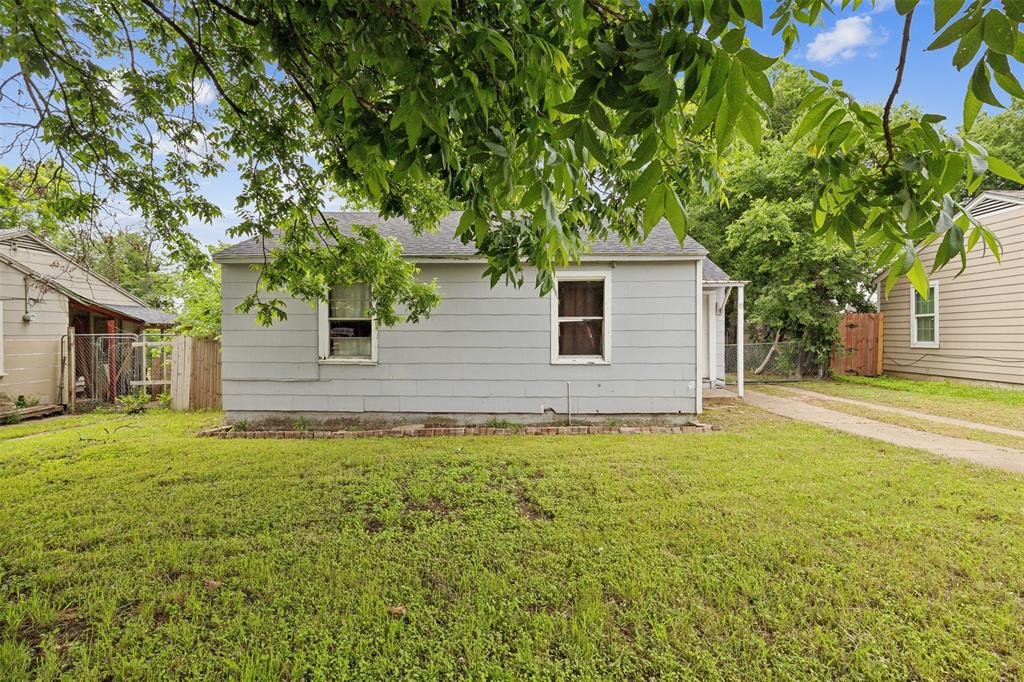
<point>67,627</point>
<point>529,508</point>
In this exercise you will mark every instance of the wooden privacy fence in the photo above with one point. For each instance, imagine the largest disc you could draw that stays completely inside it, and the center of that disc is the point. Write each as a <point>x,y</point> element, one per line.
<point>195,373</point>
<point>859,350</point>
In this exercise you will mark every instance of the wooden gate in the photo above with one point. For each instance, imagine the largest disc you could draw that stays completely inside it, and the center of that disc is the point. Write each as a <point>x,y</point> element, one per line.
<point>195,381</point>
<point>860,345</point>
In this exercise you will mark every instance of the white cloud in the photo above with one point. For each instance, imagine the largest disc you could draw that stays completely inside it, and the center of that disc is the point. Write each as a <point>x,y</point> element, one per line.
<point>205,94</point>
<point>882,5</point>
<point>843,42</point>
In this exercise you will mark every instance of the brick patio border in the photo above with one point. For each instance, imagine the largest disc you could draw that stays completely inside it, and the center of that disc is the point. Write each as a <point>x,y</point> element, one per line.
<point>428,431</point>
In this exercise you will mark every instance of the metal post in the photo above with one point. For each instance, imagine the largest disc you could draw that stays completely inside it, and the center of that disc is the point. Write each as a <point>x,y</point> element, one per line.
<point>72,380</point>
<point>740,334</point>
<point>111,360</point>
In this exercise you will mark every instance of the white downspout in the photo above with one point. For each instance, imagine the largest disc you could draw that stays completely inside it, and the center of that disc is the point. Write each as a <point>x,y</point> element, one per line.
<point>699,307</point>
<point>740,333</point>
<point>712,330</point>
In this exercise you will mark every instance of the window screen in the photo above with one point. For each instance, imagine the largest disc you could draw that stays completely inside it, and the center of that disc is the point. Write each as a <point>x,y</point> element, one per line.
<point>350,329</point>
<point>581,318</point>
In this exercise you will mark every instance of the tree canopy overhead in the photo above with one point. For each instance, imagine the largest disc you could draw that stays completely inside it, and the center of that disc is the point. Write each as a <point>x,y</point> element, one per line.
<point>551,122</point>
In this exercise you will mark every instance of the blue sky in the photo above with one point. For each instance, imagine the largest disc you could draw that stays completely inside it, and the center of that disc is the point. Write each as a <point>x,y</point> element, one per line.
<point>861,48</point>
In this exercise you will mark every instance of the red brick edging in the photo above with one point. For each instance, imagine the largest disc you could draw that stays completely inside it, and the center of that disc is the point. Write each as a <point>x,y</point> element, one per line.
<point>422,431</point>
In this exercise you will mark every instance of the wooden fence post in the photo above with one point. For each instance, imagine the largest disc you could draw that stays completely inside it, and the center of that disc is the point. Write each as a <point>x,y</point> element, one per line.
<point>181,372</point>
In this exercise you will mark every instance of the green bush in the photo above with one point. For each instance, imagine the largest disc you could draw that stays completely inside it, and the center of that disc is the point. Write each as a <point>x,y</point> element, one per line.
<point>133,403</point>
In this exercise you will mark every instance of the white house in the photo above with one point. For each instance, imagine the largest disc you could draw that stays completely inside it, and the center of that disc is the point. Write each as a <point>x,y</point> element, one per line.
<point>630,330</point>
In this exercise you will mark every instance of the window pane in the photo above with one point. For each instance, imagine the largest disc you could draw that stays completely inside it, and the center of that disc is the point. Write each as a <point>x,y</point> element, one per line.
<point>581,299</point>
<point>581,338</point>
<point>353,301</point>
<point>926,329</point>
<point>923,307</point>
<point>351,338</point>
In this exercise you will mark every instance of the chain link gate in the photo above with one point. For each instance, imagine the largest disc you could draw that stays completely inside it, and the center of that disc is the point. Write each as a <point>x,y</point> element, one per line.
<point>107,366</point>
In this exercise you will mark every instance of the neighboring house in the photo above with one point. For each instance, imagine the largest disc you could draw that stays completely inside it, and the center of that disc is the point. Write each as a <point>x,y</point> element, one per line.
<point>971,326</point>
<point>43,292</point>
<point>625,332</point>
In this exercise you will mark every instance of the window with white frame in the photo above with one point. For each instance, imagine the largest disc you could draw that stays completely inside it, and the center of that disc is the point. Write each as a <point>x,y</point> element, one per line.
<point>580,316</point>
<point>347,332</point>
<point>1,338</point>
<point>924,318</point>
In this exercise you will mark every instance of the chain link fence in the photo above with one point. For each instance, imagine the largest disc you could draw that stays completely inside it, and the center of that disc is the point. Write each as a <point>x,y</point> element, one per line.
<point>771,363</point>
<point>107,366</point>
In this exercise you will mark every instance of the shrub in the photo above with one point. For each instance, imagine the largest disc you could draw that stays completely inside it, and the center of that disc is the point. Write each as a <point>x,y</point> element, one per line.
<point>133,403</point>
<point>165,400</point>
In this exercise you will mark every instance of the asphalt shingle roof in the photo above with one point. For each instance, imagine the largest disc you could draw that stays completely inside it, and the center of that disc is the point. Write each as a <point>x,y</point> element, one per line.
<point>443,243</point>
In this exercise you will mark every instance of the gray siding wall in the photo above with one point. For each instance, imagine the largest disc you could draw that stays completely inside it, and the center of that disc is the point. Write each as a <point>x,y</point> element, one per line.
<point>482,351</point>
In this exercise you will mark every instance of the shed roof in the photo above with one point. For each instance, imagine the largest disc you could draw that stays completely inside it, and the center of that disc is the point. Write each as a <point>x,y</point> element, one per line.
<point>74,289</point>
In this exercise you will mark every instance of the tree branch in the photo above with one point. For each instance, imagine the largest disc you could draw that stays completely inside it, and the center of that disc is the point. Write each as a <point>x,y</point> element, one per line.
<point>887,113</point>
<point>198,53</point>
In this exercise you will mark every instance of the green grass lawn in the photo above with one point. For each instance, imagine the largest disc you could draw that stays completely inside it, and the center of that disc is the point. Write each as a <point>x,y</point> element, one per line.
<point>769,549</point>
<point>998,406</point>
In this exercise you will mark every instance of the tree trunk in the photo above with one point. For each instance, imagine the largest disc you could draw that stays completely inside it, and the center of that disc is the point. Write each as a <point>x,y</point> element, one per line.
<point>771,353</point>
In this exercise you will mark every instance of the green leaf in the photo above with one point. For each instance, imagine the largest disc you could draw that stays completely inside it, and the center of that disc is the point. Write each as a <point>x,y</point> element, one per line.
<point>954,31</point>
<point>654,209</point>
<point>1004,170</point>
<point>981,87</point>
<point>600,118</point>
<point>998,32</point>
<point>675,213</point>
<point>1003,75</point>
<point>903,7</point>
<point>732,41</point>
<point>972,105</point>
<point>945,10</point>
<point>753,12</point>
<point>813,118</point>
<point>502,45</point>
<point>918,277</point>
<point>755,59</point>
<point>644,152</point>
<point>644,184</point>
<point>970,42</point>
<point>749,126</point>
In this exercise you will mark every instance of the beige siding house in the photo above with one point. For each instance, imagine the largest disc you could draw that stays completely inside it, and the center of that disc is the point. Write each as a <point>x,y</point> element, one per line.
<point>972,328</point>
<point>42,293</point>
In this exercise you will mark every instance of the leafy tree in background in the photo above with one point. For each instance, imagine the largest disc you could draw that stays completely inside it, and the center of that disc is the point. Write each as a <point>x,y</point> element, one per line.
<point>764,233</point>
<point>551,123</point>
<point>1002,135</point>
<point>200,310</point>
<point>45,200</point>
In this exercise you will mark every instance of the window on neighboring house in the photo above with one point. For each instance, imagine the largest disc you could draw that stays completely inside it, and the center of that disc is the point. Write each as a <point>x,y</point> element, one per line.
<point>1,338</point>
<point>924,318</point>
<point>347,333</point>
<point>580,317</point>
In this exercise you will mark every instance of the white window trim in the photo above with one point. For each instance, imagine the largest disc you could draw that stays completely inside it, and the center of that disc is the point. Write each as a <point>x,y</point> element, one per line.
<point>914,343</point>
<point>606,326</point>
<point>325,343</point>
